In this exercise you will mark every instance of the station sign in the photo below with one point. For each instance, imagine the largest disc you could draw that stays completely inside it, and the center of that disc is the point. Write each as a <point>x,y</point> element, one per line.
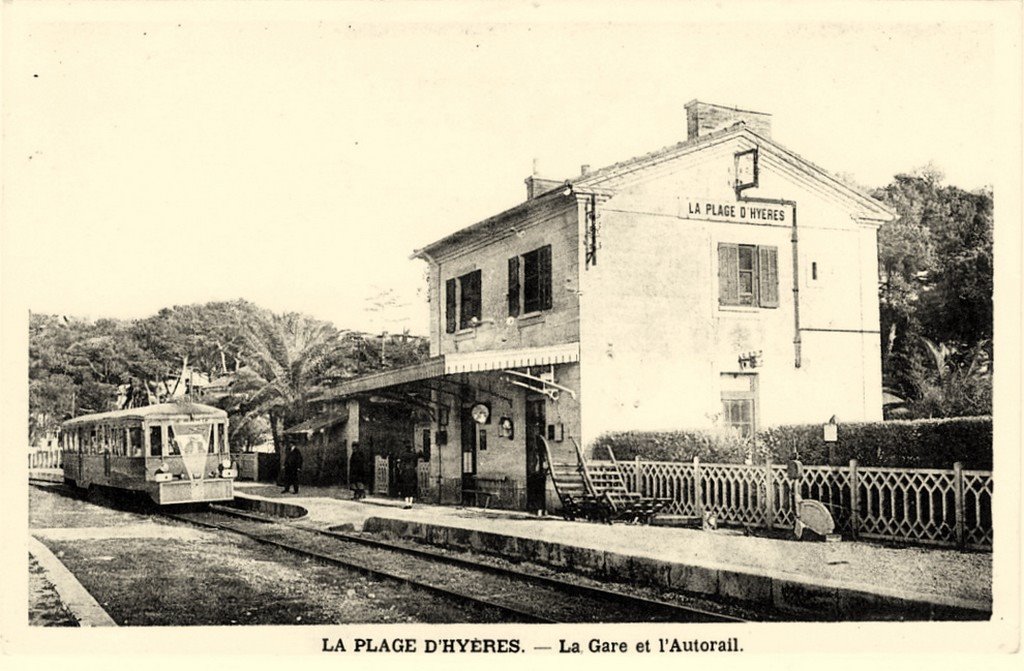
<point>738,212</point>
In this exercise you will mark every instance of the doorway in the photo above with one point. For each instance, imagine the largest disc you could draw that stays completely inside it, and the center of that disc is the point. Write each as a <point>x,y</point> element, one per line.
<point>536,474</point>
<point>469,455</point>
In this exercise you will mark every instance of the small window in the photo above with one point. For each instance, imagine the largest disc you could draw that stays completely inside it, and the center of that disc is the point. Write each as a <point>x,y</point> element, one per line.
<point>739,403</point>
<point>739,415</point>
<point>212,447</point>
<point>135,441</point>
<point>172,443</point>
<point>814,270</point>
<point>221,438</point>
<point>156,441</point>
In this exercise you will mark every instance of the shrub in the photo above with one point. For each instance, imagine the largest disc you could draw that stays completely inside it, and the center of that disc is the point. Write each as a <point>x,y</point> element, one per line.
<point>926,443</point>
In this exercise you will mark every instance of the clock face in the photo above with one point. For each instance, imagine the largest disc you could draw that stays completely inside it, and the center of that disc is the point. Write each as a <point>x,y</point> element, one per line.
<point>481,413</point>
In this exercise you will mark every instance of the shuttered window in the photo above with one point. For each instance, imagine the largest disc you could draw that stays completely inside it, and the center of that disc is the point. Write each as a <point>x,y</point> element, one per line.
<point>537,280</point>
<point>748,275</point>
<point>513,286</point>
<point>449,306</point>
<point>470,304</point>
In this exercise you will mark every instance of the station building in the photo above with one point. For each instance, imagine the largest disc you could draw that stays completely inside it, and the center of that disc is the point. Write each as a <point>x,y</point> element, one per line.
<point>722,281</point>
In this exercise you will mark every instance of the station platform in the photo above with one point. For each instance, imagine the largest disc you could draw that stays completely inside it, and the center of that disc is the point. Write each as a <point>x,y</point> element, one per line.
<point>838,581</point>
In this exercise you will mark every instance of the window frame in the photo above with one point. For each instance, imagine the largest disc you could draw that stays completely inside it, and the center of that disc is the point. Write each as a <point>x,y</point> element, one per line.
<point>733,396</point>
<point>530,282</point>
<point>762,274</point>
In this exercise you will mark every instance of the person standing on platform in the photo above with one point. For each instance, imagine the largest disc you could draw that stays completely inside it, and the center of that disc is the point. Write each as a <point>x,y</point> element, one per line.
<point>292,466</point>
<point>357,473</point>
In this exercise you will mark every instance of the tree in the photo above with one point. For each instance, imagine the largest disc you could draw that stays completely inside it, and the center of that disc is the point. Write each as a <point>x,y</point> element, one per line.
<point>935,285</point>
<point>287,356</point>
<point>957,382</point>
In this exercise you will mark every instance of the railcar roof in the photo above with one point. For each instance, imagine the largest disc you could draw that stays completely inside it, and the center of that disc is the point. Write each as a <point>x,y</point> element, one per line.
<point>158,411</point>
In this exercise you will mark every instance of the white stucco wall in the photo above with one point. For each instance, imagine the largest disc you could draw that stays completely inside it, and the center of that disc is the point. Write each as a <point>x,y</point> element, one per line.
<point>654,340</point>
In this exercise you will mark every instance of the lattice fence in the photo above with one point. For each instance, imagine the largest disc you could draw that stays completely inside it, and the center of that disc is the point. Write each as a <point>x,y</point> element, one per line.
<point>931,506</point>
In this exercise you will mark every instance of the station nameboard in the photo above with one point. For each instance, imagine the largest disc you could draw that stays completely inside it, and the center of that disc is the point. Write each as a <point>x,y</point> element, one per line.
<point>737,212</point>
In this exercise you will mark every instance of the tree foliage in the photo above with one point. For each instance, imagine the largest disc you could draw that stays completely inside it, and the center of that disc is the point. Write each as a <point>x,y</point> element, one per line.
<point>266,366</point>
<point>935,294</point>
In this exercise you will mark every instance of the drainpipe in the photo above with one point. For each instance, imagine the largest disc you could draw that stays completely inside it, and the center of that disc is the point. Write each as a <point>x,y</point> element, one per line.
<point>794,239</point>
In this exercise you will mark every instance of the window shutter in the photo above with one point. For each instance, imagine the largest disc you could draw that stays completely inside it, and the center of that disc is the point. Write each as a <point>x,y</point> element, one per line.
<point>513,286</point>
<point>768,276</point>
<point>728,274</point>
<point>469,306</point>
<point>449,306</point>
<point>544,278</point>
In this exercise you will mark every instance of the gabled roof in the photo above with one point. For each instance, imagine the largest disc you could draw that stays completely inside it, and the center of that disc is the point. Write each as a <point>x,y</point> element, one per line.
<point>493,223</point>
<point>603,182</point>
<point>598,180</point>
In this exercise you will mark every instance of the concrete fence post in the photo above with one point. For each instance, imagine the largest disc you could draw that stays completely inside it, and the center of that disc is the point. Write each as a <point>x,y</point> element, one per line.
<point>698,488</point>
<point>637,481</point>
<point>958,495</point>
<point>769,491</point>
<point>854,499</point>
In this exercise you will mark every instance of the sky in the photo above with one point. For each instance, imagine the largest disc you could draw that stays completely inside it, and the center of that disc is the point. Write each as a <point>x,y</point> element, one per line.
<point>295,156</point>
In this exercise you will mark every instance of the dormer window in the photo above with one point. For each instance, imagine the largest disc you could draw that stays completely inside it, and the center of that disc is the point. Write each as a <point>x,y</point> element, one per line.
<point>529,282</point>
<point>463,301</point>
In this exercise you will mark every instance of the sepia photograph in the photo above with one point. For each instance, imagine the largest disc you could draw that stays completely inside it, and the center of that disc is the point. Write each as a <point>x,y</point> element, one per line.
<point>483,328</point>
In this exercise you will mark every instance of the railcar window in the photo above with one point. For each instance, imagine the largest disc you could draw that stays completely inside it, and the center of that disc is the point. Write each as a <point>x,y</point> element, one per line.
<point>156,441</point>
<point>93,448</point>
<point>172,443</point>
<point>221,438</point>
<point>135,440</point>
<point>212,440</point>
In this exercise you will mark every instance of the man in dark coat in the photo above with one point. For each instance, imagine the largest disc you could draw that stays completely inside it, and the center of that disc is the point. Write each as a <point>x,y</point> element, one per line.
<point>292,466</point>
<point>357,473</point>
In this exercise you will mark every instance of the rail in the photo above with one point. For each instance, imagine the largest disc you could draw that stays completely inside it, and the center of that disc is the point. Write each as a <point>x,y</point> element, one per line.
<point>946,507</point>
<point>510,594</point>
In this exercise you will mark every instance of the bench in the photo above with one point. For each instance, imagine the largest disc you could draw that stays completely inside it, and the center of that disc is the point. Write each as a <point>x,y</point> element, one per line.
<point>478,492</point>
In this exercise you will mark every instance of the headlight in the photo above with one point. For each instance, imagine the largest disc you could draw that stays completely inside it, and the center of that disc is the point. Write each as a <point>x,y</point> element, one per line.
<point>163,468</point>
<point>226,463</point>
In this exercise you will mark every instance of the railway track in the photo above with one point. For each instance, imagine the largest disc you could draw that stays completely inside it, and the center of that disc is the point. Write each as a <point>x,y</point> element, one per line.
<point>517,596</point>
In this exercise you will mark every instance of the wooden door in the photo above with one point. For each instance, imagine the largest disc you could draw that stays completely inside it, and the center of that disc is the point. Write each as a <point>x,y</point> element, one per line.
<point>469,455</point>
<point>536,474</point>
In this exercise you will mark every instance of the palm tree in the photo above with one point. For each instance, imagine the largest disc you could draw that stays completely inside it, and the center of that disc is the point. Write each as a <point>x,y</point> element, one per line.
<point>959,382</point>
<point>286,356</point>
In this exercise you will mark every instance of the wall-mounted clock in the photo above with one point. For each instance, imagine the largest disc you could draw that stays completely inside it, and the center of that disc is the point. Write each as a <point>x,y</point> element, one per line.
<point>481,413</point>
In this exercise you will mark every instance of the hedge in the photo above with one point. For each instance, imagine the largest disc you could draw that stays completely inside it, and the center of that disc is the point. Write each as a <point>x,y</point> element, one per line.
<point>919,443</point>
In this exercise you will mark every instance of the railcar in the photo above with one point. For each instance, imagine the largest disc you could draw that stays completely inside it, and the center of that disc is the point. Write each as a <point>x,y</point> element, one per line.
<point>172,452</point>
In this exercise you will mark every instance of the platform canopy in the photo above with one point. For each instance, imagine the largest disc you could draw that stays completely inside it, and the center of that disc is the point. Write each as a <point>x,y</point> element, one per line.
<point>460,362</point>
<point>311,426</point>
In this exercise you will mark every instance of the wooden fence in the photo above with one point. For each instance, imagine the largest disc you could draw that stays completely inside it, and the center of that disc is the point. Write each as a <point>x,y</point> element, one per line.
<point>44,458</point>
<point>915,505</point>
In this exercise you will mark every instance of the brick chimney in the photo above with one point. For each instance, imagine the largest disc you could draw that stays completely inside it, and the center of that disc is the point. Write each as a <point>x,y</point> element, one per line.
<point>704,118</point>
<point>535,185</point>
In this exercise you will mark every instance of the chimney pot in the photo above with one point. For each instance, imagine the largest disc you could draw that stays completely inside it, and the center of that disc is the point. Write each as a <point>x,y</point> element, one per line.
<point>585,169</point>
